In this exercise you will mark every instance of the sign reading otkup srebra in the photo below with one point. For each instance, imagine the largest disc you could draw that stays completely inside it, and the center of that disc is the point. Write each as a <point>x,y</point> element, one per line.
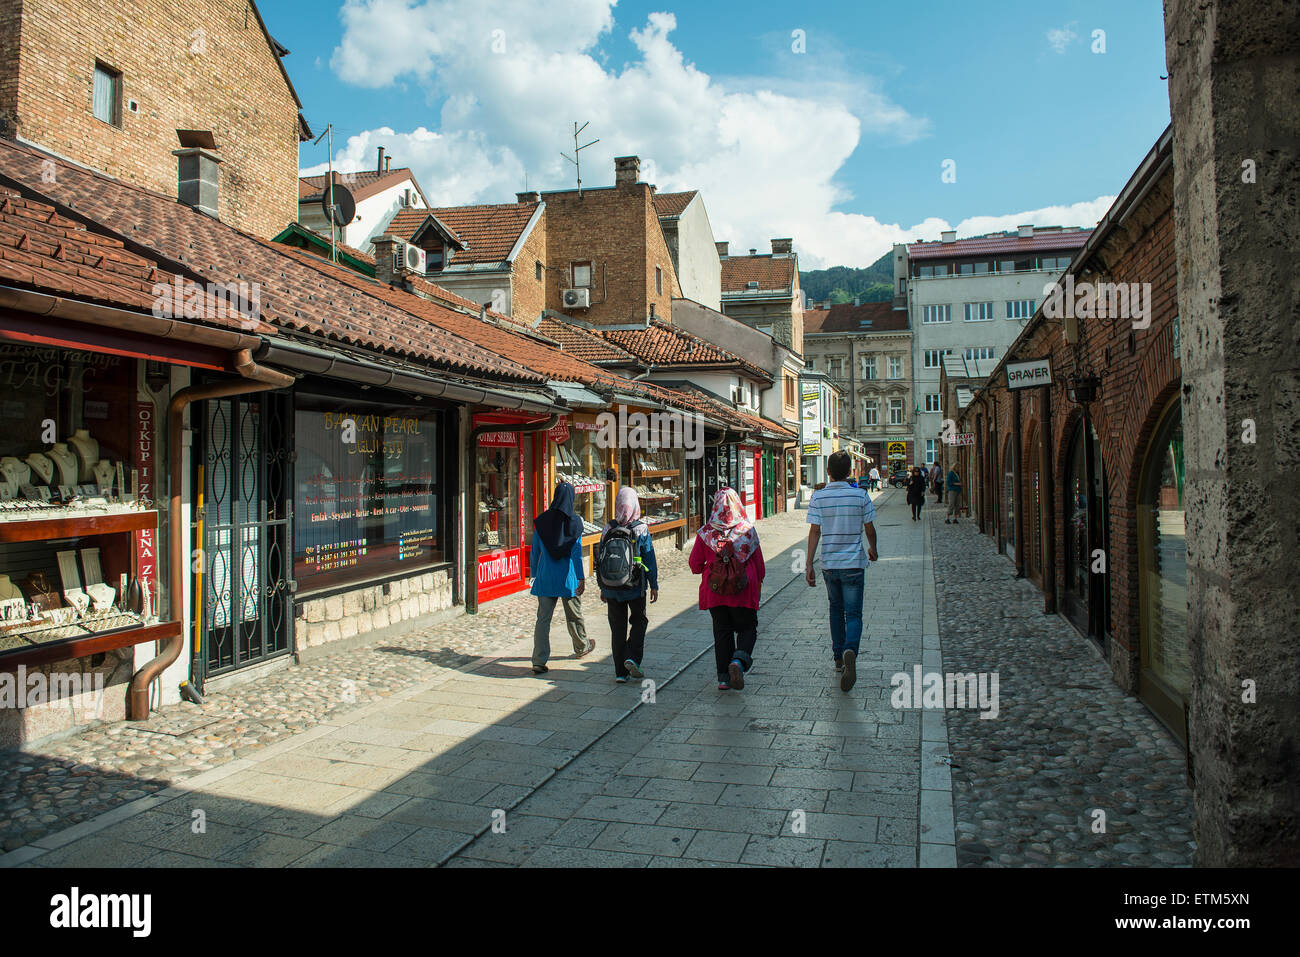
<point>1022,375</point>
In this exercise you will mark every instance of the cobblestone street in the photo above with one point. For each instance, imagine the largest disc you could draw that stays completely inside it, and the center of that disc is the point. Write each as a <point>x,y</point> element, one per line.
<point>447,735</point>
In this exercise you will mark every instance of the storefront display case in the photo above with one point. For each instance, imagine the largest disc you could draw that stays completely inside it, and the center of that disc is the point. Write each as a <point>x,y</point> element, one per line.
<point>658,476</point>
<point>578,458</point>
<point>500,476</point>
<point>78,533</point>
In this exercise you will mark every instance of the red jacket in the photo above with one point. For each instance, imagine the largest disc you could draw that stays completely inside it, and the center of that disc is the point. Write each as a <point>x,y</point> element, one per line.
<point>702,557</point>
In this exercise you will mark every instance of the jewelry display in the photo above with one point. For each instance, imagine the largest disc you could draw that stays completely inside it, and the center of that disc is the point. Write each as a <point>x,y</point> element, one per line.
<point>41,467</point>
<point>86,450</point>
<point>104,477</point>
<point>121,486</point>
<point>41,592</point>
<point>15,472</point>
<point>101,595</point>
<point>8,590</point>
<point>7,491</point>
<point>72,591</point>
<point>66,461</point>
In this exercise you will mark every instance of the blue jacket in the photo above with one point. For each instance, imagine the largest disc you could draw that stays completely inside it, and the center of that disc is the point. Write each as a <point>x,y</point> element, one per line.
<point>552,578</point>
<point>646,549</point>
<point>954,483</point>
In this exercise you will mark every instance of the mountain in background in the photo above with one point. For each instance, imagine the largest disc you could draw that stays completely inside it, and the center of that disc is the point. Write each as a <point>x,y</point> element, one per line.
<point>839,284</point>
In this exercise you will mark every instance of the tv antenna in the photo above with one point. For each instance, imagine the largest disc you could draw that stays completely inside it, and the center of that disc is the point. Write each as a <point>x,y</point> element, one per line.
<point>575,158</point>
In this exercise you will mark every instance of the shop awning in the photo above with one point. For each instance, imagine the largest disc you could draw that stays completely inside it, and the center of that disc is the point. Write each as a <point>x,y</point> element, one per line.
<point>576,396</point>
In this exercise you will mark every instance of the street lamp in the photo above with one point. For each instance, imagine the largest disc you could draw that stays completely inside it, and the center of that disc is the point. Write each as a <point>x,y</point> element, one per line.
<point>1082,388</point>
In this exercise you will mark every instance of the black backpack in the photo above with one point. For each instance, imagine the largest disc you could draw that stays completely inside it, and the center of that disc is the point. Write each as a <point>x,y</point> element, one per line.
<point>616,565</point>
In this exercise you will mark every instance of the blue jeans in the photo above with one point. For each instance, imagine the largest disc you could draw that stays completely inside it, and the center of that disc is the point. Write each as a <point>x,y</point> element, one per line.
<point>844,588</point>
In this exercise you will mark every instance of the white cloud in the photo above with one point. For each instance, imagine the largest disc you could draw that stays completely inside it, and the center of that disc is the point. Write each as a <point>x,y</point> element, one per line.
<point>512,76</point>
<point>1059,39</point>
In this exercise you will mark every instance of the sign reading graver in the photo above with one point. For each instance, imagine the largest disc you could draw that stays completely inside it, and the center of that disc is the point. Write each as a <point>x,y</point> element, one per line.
<point>1021,375</point>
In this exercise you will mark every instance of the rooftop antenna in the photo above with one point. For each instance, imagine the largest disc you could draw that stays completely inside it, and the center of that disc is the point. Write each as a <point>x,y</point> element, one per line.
<point>574,159</point>
<point>329,145</point>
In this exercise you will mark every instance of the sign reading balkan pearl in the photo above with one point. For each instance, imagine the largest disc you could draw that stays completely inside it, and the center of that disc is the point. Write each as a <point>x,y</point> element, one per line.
<point>1022,375</point>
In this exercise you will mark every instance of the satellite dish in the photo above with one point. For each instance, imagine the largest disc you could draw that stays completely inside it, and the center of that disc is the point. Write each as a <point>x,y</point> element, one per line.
<point>338,204</point>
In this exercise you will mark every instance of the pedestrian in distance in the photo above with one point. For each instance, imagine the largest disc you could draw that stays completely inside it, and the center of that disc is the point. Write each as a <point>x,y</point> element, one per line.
<point>728,557</point>
<point>954,496</point>
<point>936,483</point>
<point>838,516</point>
<point>916,492</point>
<point>558,575</point>
<point>875,478</point>
<point>625,569</point>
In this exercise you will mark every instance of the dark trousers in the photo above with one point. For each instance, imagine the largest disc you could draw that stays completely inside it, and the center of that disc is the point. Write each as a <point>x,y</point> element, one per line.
<point>734,632</point>
<point>916,509</point>
<point>623,645</point>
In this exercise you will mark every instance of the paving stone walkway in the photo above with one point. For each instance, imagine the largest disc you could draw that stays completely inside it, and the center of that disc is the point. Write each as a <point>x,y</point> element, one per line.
<point>1067,741</point>
<point>433,741</point>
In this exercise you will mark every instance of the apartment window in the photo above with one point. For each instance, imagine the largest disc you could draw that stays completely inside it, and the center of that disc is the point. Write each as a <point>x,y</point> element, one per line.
<point>933,357</point>
<point>108,94</point>
<point>979,352</point>
<point>931,451</point>
<point>974,269</point>
<point>538,268</point>
<point>581,274</point>
<point>812,363</point>
<point>836,368</point>
<point>789,391</point>
<point>932,402</point>
<point>659,281</point>
<point>895,367</point>
<point>870,412</point>
<point>869,368</point>
<point>931,272</point>
<point>1054,263</point>
<point>931,314</point>
<point>1021,308</point>
<point>902,287</point>
<point>895,411</point>
<point>978,311</point>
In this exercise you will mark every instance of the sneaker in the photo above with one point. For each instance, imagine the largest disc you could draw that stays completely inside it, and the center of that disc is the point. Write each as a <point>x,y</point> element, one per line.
<point>839,666</point>
<point>723,683</point>
<point>591,646</point>
<point>540,669</point>
<point>850,675</point>
<point>633,668</point>
<point>736,671</point>
<point>621,679</point>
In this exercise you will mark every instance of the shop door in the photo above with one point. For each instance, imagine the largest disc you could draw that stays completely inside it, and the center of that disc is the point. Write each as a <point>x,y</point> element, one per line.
<point>245,518</point>
<point>1165,680</point>
<point>769,482</point>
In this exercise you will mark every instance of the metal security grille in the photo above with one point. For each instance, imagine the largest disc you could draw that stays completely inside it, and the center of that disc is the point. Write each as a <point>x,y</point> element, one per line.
<point>246,520</point>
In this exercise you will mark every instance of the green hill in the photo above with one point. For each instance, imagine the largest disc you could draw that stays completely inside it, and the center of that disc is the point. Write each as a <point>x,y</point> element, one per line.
<point>875,283</point>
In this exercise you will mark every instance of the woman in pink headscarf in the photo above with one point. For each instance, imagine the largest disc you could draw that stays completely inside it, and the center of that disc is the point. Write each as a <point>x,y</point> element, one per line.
<point>729,559</point>
<point>626,603</point>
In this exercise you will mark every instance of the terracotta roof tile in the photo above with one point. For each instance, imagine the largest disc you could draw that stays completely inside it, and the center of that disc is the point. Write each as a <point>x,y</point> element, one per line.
<point>982,245</point>
<point>489,232</point>
<point>672,204</point>
<point>661,344</point>
<point>579,342</point>
<point>362,184</point>
<point>847,317</point>
<point>298,291</point>
<point>772,274</point>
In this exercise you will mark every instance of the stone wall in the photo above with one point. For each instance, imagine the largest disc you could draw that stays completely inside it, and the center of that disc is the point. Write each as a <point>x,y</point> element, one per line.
<point>321,621</point>
<point>27,727</point>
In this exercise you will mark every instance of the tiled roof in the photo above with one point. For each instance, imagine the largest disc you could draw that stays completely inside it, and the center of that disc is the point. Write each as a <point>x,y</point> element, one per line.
<point>299,292</point>
<point>1000,243</point>
<point>771,273</point>
<point>661,344</point>
<point>590,346</point>
<point>850,318</point>
<point>46,252</point>
<point>362,184</point>
<point>672,204</point>
<point>489,232</point>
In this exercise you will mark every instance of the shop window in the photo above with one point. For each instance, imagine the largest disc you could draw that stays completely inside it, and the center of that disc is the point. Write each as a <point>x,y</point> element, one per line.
<point>581,462</point>
<point>367,491</point>
<point>497,471</point>
<point>657,476</point>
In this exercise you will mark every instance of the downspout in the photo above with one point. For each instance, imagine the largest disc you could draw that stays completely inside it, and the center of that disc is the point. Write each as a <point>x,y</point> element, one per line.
<point>1018,485</point>
<point>471,497</point>
<point>255,378</point>
<point>1047,472</point>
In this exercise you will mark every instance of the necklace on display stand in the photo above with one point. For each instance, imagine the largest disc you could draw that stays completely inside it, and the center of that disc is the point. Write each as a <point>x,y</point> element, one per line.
<point>42,467</point>
<point>87,451</point>
<point>63,457</point>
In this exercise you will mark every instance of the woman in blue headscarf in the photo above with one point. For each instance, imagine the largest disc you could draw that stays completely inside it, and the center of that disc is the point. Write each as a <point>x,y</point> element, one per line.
<point>556,567</point>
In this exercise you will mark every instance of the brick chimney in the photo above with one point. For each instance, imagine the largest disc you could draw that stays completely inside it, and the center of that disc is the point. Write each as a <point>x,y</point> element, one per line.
<point>379,167</point>
<point>388,268</point>
<point>197,178</point>
<point>1026,232</point>
<point>722,250</point>
<point>782,247</point>
<point>627,170</point>
<point>948,236</point>
<point>532,196</point>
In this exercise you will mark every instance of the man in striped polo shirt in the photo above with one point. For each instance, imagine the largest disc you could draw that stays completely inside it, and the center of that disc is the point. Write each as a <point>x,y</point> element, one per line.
<point>838,515</point>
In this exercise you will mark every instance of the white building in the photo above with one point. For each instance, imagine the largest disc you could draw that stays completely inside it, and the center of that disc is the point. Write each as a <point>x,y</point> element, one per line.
<point>970,298</point>
<point>819,411</point>
<point>380,194</point>
<point>685,224</point>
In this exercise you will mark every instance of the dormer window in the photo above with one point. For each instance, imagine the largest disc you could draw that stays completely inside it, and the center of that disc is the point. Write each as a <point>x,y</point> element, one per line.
<point>435,254</point>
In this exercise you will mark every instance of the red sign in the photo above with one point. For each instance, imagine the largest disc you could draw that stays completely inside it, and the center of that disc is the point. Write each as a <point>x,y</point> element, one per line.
<point>559,433</point>
<point>499,566</point>
<point>144,464</point>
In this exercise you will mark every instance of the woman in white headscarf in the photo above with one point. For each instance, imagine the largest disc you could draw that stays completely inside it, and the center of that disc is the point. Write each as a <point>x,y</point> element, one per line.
<point>626,604</point>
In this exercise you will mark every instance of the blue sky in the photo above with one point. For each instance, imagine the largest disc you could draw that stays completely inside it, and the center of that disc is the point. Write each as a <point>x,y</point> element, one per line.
<point>841,146</point>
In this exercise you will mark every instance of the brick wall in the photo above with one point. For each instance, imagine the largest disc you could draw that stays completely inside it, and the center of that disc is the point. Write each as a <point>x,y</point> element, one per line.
<point>10,31</point>
<point>618,232</point>
<point>527,292</point>
<point>1140,375</point>
<point>225,79</point>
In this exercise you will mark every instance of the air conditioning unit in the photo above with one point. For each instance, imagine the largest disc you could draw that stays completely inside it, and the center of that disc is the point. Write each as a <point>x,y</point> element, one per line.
<point>577,299</point>
<point>408,258</point>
